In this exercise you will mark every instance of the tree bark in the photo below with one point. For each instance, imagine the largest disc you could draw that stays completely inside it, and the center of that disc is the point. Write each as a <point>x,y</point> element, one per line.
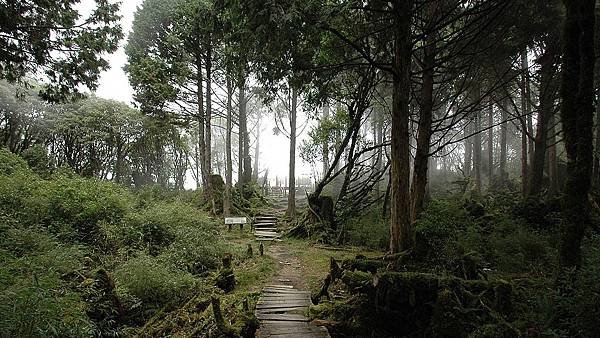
<point>577,112</point>
<point>476,95</point>
<point>503,138</point>
<point>596,172</point>
<point>420,171</point>
<point>208,117</point>
<point>243,131</point>
<point>325,142</point>
<point>201,141</point>
<point>547,95</point>
<point>468,165</point>
<point>291,210</point>
<point>523,121</point>
<point>402,236</point>
<point>256,150</point>
<point>228,161</point>
<point>490,145</point>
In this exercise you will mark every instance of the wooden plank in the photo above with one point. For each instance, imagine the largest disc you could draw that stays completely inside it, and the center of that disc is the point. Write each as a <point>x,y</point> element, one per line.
<point>282,317</point>
<point>287,329</point>
<point>270,239</point>
<point>290,335</point>
<point>296,309</point>
<point>276,300</point>
<point>285,291</point>
<point>276,304</point>
<point>273,296</point>
<point>266,232</point>
<point>279,286</point>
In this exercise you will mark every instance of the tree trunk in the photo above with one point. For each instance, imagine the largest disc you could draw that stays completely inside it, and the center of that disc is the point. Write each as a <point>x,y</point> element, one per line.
<point>547,95</point>
<point>523,121</point>
<point>476,95</point>
<point>503,138</point>
<point>201,141</point>
<point>325,142</point>
<point>468,149</point>
<point>490,142</point>
<point>228,162</point>
<point>402,236</point>
<point>207,121</point>
<point>596,173</point>
<point>552,156</point>
<point>419,181</point>
<point>243,132</point>
<point>256,150</point>
<point>577,112</point>
<point>291,210</point>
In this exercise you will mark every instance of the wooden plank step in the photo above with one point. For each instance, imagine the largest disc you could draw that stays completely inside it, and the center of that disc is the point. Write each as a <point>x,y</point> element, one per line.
<point>276,302</point>
<point>283,291</point>
<point>265,239</point>
<point>282,317</point>
<point>272,328</point>
<point>268,228</point>
<point>282,306</point>
<point>288,309</point>
<point>267,234</point>
<point>279,286</point>
<point>307,335</point>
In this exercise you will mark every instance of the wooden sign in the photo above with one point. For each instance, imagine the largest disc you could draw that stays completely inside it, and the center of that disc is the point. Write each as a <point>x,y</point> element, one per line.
<point>235,220</point>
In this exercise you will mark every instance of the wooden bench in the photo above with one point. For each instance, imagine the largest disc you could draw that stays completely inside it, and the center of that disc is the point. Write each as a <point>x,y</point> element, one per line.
<point>230,221</point>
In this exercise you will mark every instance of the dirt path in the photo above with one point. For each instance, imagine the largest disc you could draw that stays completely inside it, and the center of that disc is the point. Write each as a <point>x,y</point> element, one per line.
<point>290,271</point>
<point>284,302</point>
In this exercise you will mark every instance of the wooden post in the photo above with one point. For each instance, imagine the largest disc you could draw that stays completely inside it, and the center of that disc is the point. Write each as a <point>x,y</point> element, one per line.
<point>249,250</point>
<point>226,261</point>
<point>229,227</point>
<point>261,249</point>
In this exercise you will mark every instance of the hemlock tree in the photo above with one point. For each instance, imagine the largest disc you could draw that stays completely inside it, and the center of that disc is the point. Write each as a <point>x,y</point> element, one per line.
<point>51,40</point>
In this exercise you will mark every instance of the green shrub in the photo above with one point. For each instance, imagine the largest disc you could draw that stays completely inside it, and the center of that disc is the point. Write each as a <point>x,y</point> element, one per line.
<point>153,283</point>
<point>42,306</point>
<point>583,304</point>
<point>437,229</point>
<point>37,298</point>
<point>11,163</point>
<point>37,159</point>
<point>78,206</point>
<point>197,246</point>
<point>368,230</point>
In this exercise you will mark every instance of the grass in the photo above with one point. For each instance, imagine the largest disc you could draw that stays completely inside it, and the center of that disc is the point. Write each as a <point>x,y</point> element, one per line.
<point>314,260</point>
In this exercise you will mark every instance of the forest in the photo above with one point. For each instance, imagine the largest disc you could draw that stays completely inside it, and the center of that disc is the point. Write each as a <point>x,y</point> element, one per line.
<point>442,168</point>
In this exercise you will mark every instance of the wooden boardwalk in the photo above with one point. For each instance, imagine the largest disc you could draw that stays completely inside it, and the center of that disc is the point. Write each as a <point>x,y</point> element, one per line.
<point>281,307</point>
<point>281,311</point>
<point>265,228</point>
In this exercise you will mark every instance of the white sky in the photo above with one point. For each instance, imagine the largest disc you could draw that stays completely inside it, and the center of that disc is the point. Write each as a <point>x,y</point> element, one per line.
<point>114,84</point>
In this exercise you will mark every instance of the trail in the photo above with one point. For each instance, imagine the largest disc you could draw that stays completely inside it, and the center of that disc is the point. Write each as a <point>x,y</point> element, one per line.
<point>283,303</point>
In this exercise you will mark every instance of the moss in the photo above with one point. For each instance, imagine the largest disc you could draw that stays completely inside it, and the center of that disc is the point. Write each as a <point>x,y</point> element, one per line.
<point>225,280</point>
<point>358,280</point>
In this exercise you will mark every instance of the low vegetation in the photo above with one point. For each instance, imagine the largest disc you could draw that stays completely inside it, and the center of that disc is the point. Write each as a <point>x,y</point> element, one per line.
<point>84,257</point>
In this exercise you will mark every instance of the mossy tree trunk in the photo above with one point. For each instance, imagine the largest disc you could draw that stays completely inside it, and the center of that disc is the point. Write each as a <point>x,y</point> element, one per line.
<point>228,161</point>
<point>577,93</point>
<point>420,172</point>
<point>402,236</point>
<point>547,96</point>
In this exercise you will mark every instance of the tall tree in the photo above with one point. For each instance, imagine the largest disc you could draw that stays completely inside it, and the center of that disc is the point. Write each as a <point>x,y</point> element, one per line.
<point>51,37</point>
<point>547,93</point>
<point>577,112</point>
